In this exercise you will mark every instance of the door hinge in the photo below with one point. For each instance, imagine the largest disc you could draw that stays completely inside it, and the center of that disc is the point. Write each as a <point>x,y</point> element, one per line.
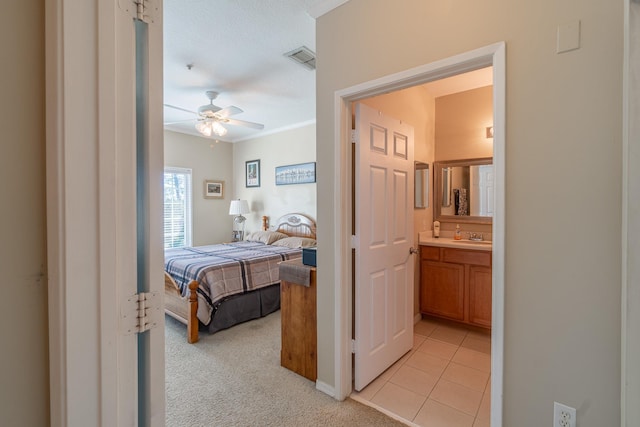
<point>140,312</point>
<point>354,242</point>
<point>354,136</point>
<point>353,346</point>
<point>142,10</point>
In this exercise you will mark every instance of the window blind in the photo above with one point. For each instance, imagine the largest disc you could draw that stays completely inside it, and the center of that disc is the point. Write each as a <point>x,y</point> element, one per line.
<point>177,207</point>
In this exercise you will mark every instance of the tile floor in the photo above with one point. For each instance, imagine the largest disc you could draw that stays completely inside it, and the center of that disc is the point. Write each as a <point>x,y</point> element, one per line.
<point>444,381</point>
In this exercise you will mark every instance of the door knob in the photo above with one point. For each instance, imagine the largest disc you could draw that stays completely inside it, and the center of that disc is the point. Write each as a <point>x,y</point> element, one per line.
<point>413,250</point>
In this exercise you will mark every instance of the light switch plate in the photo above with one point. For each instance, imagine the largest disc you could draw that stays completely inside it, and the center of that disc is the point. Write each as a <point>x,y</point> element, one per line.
<point>568,37</point>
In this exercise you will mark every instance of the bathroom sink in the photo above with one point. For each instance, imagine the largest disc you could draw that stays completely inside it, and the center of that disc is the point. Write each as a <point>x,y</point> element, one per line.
<point>475,242</point>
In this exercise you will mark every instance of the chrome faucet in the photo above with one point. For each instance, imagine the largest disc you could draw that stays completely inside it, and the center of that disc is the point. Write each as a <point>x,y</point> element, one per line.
<point>476,236</point>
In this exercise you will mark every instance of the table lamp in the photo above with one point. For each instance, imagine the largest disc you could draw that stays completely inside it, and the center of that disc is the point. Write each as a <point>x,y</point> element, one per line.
<point>238,208</point>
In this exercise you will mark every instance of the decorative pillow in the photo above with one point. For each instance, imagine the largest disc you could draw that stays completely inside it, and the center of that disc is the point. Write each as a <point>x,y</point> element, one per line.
<point>266,237</point>
<point>296,242</point>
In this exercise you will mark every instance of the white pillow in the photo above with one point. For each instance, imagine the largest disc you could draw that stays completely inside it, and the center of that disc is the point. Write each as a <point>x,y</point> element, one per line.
<point>266,237</point>
<point>296,242</point>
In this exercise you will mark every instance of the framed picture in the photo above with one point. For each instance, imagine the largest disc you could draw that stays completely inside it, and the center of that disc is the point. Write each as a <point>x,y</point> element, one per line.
<point>302,173</point>
<point>213,189</point>
<point>252,171</point>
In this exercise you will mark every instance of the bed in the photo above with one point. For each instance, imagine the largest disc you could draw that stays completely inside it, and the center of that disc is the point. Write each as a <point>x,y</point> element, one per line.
<point>214,287</point>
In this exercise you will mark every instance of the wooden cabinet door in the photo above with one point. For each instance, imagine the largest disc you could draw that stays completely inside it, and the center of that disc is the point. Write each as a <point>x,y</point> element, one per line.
<point>298,328</point>
<point>442,289</point>
<point>480,296</point>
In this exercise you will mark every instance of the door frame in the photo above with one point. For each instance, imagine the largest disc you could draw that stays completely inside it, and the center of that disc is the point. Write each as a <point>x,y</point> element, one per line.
<point>630,233</point>
<point>90,136</point>
<point>492,55</point>
<point>74,159</point>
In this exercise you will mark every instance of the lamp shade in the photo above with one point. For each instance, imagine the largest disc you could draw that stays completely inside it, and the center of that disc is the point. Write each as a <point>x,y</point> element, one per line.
<point>239,207</point>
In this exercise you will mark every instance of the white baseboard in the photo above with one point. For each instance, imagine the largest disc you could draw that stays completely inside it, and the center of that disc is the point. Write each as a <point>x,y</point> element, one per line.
<point>325,388</point>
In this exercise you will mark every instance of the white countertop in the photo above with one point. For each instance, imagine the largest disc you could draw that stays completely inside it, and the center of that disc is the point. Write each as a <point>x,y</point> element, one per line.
<point>425,238</point>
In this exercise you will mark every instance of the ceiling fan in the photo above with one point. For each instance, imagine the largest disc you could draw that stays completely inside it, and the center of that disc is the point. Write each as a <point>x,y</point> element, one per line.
<point>210,118</point>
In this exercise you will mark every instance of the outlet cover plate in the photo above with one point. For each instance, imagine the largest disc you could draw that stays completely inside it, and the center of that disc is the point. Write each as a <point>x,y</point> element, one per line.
<point>563,415</point>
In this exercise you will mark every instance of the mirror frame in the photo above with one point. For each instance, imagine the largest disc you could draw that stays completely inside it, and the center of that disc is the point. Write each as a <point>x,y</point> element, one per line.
<point>437,191</point>
<point>426,181</point>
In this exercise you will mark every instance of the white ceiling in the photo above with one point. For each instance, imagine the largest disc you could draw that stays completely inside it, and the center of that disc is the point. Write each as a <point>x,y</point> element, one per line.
<point>237,47</point>
<point>460,82</point>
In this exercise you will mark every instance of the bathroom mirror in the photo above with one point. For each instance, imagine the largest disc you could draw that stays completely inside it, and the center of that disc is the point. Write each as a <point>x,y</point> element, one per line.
<point>463,190</point>
<point>421,197</point>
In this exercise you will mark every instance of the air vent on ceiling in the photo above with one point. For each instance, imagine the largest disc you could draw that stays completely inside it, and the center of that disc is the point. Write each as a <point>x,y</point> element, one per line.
<point>303,56</point>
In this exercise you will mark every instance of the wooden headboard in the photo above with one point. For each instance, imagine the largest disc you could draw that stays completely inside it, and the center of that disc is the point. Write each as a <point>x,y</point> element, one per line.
<point>295,224</point>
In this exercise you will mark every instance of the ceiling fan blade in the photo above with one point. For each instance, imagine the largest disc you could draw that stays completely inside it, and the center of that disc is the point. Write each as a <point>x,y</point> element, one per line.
<point>179,121</point>
<point>243,123</point>
<point>181,109</point>
<point>229,111</point>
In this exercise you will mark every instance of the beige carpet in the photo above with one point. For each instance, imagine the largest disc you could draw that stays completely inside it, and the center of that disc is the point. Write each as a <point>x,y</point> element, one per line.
<point>234,378</point>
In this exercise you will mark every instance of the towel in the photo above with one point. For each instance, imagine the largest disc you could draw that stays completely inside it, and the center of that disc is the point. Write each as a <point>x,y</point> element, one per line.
<point>463,207</point>
<point>295,272</point>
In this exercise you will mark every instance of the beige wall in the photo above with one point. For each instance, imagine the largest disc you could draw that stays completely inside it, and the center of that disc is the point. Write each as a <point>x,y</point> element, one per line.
<point>278,149</point>
<point>225,161</point>
<point>460,133</point>
<point>461,122</point>
<point>208,160</point>
<point>24,384</point>
<point>563,112</point>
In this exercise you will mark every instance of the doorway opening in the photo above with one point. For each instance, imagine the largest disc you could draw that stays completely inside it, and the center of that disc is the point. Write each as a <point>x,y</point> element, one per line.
<point>490,56</point>
<point>447,370</point>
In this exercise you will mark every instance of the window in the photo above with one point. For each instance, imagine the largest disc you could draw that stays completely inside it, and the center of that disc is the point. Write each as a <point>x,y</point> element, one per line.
<point>177,207</point>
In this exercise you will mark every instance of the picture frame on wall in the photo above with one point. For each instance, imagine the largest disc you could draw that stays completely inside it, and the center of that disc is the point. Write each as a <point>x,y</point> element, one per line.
<point>213,189</point>
<point>301,173</point>
<point>252,173</point>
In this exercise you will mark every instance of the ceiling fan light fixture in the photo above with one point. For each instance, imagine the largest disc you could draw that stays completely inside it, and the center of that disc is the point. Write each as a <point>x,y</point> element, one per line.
<point>204,128</point>
<point>210,119</point>
<point>218,129</point>
<point>209,127</point>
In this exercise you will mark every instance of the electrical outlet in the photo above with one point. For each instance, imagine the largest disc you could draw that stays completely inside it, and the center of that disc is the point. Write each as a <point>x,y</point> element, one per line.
<point>563,416</point>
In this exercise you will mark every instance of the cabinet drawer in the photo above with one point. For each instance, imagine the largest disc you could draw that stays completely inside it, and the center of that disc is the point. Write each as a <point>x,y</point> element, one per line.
<point>431,253</point>
<point>462,256</point>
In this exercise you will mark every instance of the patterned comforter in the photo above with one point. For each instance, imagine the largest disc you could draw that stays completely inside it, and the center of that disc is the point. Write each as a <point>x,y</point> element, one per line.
<point>226,269</point>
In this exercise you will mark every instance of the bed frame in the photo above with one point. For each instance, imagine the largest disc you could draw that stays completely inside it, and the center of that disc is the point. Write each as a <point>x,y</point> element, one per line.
<point>185,309</point>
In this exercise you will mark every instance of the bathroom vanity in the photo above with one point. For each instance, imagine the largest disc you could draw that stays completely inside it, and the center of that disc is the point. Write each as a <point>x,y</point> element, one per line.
<point>455,280</point>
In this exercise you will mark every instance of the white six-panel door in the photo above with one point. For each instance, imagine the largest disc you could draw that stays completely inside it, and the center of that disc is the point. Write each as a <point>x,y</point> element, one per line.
<point>384,235</point>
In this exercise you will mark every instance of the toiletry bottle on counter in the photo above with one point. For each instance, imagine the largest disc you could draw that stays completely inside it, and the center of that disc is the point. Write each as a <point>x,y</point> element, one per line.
<point>458,234</point>
<point>436,228</point>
